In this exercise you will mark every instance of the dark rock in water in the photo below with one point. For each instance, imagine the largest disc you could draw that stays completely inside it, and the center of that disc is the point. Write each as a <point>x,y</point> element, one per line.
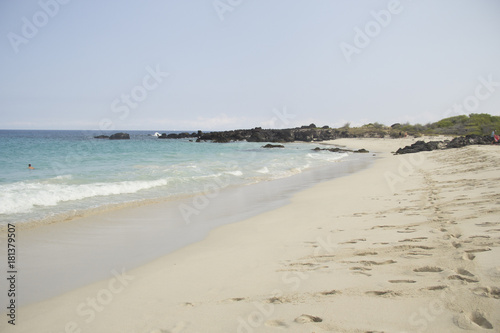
<point>340,150</point>
<point>457,142</point>
<point>221,140</point>
<point>177,135</point>
<point>273,146</point>
<point>101,137</point>
<point>120,136</point>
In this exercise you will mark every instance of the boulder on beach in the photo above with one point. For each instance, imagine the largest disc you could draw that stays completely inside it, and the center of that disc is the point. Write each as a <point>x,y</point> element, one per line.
<point>458,142</point>
<point>120,136</point>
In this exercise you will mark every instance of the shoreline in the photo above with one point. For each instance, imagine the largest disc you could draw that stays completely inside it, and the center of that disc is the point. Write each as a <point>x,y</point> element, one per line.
<point>411,235</point>
<point>66,210</point>
<point>115,236</point>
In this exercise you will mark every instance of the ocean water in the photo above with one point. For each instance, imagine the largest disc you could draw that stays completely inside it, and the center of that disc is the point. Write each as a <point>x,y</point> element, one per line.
<point>75,173</point>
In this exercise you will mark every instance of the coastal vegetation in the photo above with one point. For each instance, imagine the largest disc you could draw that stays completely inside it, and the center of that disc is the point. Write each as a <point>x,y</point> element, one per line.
<point>473,124</point>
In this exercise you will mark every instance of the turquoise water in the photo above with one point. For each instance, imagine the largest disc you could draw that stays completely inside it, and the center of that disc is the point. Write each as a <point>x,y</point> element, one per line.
<point>75,173</point>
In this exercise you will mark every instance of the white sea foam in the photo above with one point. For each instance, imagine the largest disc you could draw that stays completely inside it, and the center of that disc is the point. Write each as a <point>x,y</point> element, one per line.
<point>22,197</point>
<point>235,173</point>
<point>327,156</point>
<point>263,170</point>
<point>63,177</point>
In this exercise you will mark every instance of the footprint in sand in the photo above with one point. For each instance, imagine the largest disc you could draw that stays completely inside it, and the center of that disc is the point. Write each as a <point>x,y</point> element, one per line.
<point>366,254</point>
<point>409,247</point>
<point>465,272</point>
<point>407,231</point>
<point>490,292</point>
<point>417,255</point>
<point>354,241</point>
<point>436,288</point>
<point>377,263</point>
<point>416,239</point>
<point>228,300</point>
<point>480,236</point>
<point>428,269</point>
<point>305,318</point>
<point>402,281</point>
<point>468,256</point>
<point>360,269</point>
<point>487,224</point>
<point>308,264</point>
<point>478,250</point>
<point>383,227</point>
<point>276,300</point>
<point>461,278</point>
<point>381,293</point>
<point>479,319</point>
<point>276,323</point>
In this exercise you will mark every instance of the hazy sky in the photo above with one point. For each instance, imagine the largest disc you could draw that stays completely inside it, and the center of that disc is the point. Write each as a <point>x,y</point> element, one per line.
<point>205,64</point>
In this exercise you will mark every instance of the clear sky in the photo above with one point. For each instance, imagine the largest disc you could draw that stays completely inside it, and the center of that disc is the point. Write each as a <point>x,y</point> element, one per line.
<point>225,64</point>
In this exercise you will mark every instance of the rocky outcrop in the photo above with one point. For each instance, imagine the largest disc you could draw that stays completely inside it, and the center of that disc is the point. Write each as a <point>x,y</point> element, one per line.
<point>467,140</point>
<point>101,137</point>
<point>304,133</point>
<point>457,142</point>
<point>177,135</point>
<point>340,150</point>
<point>422,146</point>
<point>120,136</point>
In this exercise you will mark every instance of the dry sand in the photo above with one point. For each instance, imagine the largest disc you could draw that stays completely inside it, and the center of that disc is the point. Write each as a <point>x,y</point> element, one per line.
<point>408,245</point>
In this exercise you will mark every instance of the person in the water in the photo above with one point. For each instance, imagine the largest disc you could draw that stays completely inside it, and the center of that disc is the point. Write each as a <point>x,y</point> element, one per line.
<point>30,167</point>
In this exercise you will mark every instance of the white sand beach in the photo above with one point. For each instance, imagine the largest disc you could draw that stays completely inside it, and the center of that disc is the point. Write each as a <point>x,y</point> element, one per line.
<point>410,244</point>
